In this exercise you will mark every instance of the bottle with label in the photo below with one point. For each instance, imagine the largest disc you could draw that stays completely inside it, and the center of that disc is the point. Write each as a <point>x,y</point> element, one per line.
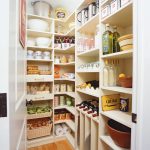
<point>107,41</point>
<point>106,74</point>
<point>116,35</point>
<point>112,75</point>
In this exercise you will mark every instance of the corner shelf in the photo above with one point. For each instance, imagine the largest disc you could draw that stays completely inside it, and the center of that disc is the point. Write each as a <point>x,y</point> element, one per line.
<point>71,109</point>
<point>92,52</point>
<point>108,140</point>
<point>71,94</point>
<point>90,24</point>
<point>40,60</point>
<point>88,93</point>
<point>65,64</point>
<point>63,79</point>
<point>65,51</point>
<point>118,89</point>
<point>70,123</point>
<point>119,55</point>
<point>71,139</point>
<point>121,117</point>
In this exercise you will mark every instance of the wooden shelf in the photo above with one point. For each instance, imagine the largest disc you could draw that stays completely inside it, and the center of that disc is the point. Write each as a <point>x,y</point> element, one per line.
<point>71,32</point>
<point>122,17</point>
<point>71,109</point>
<point>65,64</point>
<point>71,94</point>
<point>39,78</point>
<point>39,48</point>
<point>62,79</point>
<point>70,123</point>
<point>71,49</point>
<point>108,140</point>
<point>90,24</point>
<point>119,55</point>
<point>40,60</point>
<point>34,33</point>
<point>118,89</point>
<point>38,97</point>
<point>89,93</point>
<point>119,116</point>
<point>92,52</point>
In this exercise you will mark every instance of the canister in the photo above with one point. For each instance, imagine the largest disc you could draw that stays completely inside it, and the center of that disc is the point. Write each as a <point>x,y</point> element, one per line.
<point>63,87</point>
<point>124,104</point>
<point>62,100</point>
<point>105,11</point>
<point>56,101</point>
<point>70,87</point>
<point>114,6</point>
<point>56,87</point>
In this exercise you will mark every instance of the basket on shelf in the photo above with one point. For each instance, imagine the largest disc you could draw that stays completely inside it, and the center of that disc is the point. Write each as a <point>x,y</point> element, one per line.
<point>39,132</point>
<point>39,115</point>
<point>126,82</point>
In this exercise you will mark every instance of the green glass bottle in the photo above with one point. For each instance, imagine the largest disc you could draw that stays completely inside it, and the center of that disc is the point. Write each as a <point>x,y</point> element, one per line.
<point>116,35</point>
<point>107,41</point>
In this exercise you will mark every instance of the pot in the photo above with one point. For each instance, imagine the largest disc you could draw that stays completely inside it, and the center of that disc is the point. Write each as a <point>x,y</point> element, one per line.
<point>42,8</point>
<point>120,134</point>
<point>43,41</point>
<point>38,25</point>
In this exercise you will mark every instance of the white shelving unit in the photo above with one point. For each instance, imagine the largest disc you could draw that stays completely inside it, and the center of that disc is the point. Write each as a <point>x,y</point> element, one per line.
<point>90,133</point>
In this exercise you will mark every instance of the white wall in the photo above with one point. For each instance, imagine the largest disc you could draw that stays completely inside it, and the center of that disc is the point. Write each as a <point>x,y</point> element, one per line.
<point>4,49</point>
<point>143,82</point>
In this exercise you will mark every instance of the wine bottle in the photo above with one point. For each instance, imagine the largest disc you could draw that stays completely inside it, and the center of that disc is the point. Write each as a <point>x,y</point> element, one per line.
<point>116,35</point>
<point>107,41</point>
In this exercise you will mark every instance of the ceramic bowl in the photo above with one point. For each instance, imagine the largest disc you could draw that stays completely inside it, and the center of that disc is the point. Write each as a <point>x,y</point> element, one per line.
<point>43,41</point>
<point>38,25</point>
<point>120,134</point>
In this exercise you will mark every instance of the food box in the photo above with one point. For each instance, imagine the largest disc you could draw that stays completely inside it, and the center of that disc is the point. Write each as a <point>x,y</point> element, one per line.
<point>110,102</point>
<point>106,11</point>
<point>124,2</point>
<point>114,6</point>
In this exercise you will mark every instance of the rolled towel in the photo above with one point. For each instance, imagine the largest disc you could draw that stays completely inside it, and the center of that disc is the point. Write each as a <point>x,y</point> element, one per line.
<point>58,130</point>
<point>65,128</point>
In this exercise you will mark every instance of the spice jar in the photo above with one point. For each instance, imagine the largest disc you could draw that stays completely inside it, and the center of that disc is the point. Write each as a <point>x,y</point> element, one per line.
<point>68,115</point>
<point>69,101</point>
<point>63,115</point>
<point>56,116</point>
<point>56,88</point>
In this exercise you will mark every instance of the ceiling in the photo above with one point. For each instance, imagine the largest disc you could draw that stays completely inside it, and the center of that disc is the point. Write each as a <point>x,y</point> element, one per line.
<point>69,5</point>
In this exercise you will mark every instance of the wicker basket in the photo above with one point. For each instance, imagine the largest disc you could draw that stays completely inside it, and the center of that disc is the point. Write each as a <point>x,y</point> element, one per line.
<point>39,132</point>
<point>40,115</point>
<point>126,82</point>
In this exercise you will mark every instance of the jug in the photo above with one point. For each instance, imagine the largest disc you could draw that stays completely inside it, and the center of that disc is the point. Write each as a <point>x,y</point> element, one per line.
<point>82,16</point>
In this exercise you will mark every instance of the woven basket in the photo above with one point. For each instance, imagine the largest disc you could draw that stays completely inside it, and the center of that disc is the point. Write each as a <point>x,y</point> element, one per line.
<point>40,115</point>
<point>39,132</point>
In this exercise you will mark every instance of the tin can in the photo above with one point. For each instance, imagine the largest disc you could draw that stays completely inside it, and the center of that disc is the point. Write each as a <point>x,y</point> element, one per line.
<point>124,104</point>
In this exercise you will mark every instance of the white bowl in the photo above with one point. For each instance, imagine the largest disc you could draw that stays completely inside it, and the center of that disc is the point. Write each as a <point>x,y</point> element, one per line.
<point>37,24</point>
<point>30,52</point>
<point>30,42</point>
<point>43,41</point>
